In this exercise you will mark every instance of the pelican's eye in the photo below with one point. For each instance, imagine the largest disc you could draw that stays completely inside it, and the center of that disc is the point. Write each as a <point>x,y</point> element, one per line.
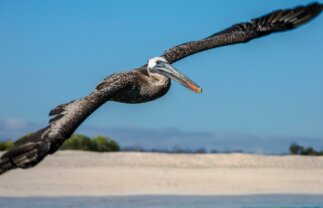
<point>158,62</point>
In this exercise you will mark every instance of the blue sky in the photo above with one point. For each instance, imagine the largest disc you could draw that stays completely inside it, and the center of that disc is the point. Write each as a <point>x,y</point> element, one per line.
<point>56,51</point>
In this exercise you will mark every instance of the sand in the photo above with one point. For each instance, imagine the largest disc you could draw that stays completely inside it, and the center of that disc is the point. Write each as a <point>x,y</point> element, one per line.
<point>75,173</point>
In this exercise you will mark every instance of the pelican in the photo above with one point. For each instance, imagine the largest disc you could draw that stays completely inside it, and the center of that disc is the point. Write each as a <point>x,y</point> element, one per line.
<point>144,84</point>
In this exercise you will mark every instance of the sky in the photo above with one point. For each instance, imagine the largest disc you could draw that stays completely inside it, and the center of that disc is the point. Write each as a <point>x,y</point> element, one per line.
<point>268,91</point>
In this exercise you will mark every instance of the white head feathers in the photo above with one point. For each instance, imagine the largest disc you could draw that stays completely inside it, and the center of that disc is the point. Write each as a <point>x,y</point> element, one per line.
<point>153,61</point>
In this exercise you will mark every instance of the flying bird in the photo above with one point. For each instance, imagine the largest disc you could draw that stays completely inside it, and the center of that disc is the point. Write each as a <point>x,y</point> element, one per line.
<point>144,84</point>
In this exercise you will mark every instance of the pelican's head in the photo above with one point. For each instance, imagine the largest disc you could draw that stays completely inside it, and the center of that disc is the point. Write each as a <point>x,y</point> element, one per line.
<point>161,66</point>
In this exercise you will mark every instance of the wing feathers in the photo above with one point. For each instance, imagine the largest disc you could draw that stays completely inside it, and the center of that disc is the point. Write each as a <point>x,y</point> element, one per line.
<point>59,109</point>
<point>31,149</point>
<point>287,19</point>
<point>26,152</point>
<point>5,165</point>
<point>277,21</point>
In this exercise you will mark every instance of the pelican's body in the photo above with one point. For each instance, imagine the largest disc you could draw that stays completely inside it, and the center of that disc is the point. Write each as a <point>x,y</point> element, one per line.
<point>143,88</point>
<point>143,84</point>
<point>147,84</point>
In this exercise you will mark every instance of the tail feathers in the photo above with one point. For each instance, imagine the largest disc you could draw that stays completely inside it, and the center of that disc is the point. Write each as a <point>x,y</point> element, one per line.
<point>26,152</point>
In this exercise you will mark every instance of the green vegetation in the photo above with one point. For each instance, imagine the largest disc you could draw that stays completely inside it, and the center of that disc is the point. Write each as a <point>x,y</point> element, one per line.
<point>296,149</point>
<point>4,145</point>
<point>96,144</point>
<point>103,144</point>
<point>79,142</point>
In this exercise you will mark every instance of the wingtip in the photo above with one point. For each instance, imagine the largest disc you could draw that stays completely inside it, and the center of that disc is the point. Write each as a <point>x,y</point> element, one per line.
<point>286,19</point>
<point>316,4</point>
<point>5,165</point>
<point>26,152</point>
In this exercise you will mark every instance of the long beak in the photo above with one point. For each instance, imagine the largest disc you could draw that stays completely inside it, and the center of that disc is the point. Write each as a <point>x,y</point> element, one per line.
<point>169,71</point>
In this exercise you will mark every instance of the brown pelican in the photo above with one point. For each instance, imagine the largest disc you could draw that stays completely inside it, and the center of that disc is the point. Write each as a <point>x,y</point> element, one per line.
<point>144,84</point>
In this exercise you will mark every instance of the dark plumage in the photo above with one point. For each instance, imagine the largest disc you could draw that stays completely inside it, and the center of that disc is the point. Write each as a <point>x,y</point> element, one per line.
<point>143,84</point>
<point>277,21</point>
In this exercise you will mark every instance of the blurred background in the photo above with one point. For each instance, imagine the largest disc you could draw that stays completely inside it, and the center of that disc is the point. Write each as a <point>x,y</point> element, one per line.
<point>258,97</point>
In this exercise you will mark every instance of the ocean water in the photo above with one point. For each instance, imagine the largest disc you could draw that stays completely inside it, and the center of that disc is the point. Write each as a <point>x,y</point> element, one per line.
<point>253,201</point>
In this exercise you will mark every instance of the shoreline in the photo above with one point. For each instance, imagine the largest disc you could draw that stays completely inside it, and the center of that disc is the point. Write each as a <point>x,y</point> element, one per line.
<point>78,173</point>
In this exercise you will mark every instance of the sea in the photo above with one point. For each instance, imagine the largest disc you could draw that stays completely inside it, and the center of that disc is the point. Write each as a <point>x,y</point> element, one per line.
<point>246,201</point>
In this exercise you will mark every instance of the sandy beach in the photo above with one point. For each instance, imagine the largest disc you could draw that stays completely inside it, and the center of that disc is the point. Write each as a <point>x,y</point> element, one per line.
<point>75,173</point>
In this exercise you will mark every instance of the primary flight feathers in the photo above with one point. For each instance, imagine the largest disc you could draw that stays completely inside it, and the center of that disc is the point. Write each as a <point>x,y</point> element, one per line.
<point>143,84</point>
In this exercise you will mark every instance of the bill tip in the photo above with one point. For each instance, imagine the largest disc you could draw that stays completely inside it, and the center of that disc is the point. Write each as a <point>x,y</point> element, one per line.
<point>199,90</point>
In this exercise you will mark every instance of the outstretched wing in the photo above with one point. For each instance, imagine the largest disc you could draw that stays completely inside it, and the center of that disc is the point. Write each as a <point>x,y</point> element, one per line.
<point>31,149</point>
<point>276,21</point>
